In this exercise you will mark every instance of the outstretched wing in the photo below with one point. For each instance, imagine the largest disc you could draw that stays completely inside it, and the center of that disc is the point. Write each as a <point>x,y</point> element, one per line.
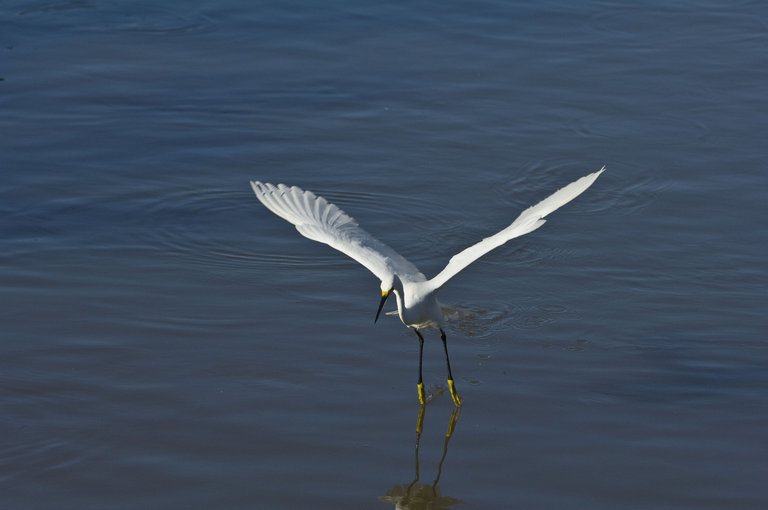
<point>321,221</point>
<point>528,221</point>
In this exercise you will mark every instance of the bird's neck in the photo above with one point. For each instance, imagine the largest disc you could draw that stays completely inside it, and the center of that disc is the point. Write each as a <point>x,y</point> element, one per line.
<point>399,296</point>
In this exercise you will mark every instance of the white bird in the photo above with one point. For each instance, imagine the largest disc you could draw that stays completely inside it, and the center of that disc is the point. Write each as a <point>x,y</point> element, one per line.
<point>416,296</point>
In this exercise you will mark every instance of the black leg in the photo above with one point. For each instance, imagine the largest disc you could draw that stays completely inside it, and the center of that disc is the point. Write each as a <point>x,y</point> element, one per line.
<point>451,386</point>
<point>447,361</point>
<point>420,385</point>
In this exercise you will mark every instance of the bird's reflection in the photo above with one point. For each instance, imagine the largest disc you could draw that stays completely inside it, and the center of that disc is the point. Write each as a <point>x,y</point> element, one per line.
<point>416,496</point>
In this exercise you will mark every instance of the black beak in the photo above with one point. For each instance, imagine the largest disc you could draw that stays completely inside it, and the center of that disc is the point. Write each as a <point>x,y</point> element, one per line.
<point>384,296</point>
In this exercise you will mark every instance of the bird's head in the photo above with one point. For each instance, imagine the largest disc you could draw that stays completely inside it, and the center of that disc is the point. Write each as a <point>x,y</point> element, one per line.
<point>386,289</point>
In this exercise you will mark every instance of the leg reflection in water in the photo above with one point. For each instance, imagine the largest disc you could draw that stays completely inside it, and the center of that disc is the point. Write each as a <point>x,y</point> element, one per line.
<point>416,496</point>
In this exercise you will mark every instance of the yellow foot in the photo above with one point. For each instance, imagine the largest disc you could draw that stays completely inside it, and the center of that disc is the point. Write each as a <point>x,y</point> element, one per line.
<point>422,393</point>
<point>454,395</point>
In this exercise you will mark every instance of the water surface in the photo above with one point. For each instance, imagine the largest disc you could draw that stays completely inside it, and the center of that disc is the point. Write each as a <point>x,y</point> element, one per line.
<point>167,342</point>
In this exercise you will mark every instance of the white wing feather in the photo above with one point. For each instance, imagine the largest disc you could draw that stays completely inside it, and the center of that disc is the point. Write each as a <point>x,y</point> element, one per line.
<point>528,221</point>
<point>323,222</point>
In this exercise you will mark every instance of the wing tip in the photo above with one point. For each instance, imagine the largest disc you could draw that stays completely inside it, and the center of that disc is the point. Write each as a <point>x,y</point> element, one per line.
<point>581,185</point>
<point>263,188</point>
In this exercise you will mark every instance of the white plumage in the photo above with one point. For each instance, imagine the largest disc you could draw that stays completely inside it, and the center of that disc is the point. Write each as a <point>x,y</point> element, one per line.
<point>416,296</point>
<point>320,221</point>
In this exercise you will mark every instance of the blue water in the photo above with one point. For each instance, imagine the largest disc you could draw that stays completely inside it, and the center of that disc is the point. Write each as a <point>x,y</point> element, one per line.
<point>167,342</point>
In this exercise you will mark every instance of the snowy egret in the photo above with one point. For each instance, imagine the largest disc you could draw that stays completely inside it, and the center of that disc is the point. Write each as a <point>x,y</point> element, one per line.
<point>416,296</point>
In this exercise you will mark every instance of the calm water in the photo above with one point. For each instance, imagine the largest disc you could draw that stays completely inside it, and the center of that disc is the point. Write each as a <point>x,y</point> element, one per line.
<point>168,343</point>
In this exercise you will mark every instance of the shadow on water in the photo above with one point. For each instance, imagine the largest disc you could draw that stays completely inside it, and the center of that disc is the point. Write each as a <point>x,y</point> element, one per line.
<point>415,495</point>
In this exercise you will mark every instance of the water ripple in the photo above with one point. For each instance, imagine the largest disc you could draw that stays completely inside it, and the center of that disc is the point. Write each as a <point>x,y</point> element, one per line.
<point>628,19</point>
<point>653,129</point>
<point>480,325</point>
<point>636,189</point>
<point>197,225</point>
<point>148,18</point>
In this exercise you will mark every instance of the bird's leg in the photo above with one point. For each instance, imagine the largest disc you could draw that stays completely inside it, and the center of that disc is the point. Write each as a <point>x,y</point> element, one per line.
<point>420,386</point>
<point>451,387</point>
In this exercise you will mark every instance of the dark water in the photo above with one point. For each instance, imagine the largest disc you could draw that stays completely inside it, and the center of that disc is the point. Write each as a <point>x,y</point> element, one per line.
<point>169,343</point>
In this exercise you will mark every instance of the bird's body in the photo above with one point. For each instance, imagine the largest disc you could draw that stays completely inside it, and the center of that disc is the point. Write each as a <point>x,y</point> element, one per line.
<point>416,296</point>
<point>417,305</point>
